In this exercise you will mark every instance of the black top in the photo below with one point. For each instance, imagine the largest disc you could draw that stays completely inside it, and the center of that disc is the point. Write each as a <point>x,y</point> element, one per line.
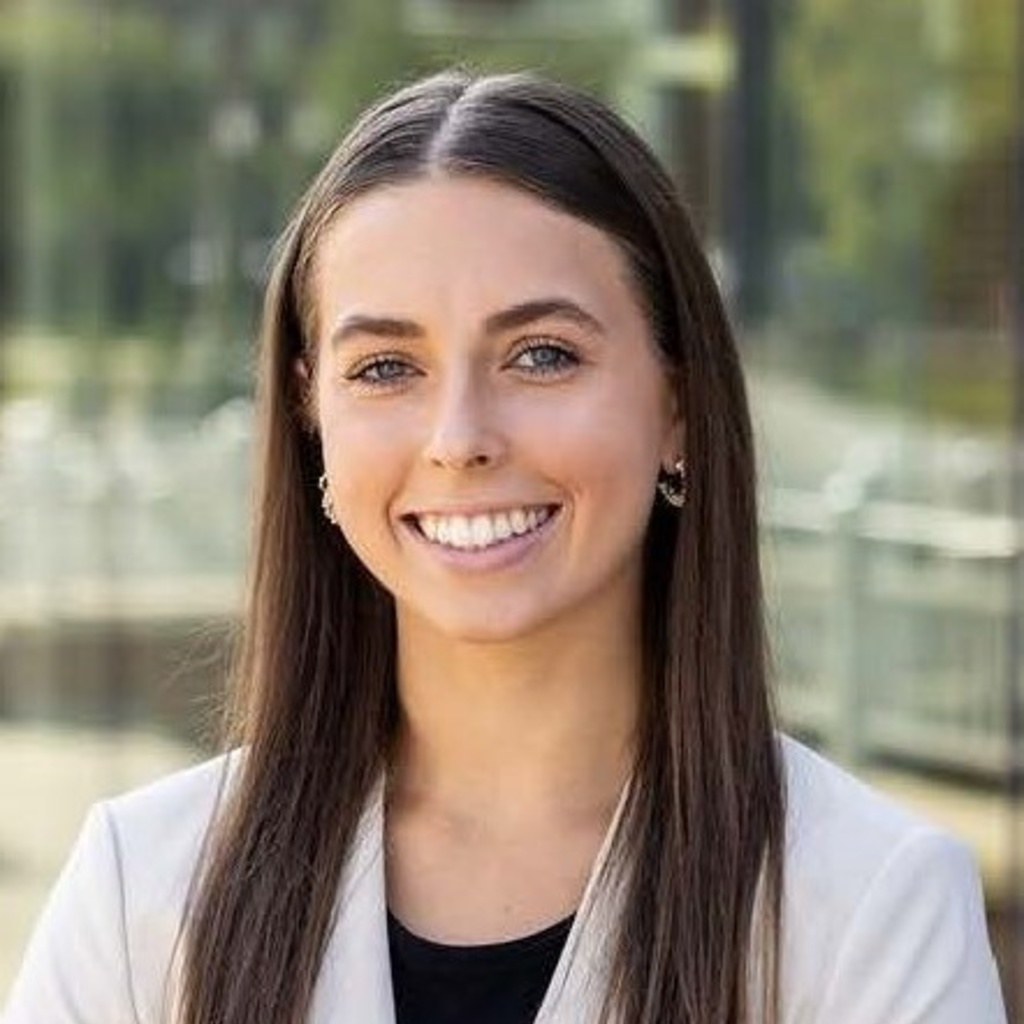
<point>500,983</point>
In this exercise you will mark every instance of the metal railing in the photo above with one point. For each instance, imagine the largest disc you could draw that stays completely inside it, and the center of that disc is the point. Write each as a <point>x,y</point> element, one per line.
<point>892,627</point>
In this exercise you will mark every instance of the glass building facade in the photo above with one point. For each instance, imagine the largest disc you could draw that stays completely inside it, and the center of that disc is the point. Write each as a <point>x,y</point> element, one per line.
<point>858,177</point>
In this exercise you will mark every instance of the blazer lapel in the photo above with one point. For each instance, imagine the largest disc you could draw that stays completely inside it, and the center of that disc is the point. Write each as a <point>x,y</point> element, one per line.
<point>355,981</point>
<point>578,986</point>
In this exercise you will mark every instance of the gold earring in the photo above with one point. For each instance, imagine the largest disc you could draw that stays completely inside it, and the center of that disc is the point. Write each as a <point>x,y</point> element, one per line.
<point>673,485</point>
<point>325,500</point>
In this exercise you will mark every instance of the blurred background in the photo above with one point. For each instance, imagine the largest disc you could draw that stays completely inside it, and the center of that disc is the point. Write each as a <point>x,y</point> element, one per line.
<point>856,171</point>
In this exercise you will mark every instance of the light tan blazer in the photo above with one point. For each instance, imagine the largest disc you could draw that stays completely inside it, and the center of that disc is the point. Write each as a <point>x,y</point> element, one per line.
<point>883,918</point>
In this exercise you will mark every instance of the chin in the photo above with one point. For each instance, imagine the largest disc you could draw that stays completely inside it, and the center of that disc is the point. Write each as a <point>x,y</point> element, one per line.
<point>490,631</point>
<point>482,623</point>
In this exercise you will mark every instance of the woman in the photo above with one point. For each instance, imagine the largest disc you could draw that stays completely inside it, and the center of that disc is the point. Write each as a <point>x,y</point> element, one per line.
<point>508,751</point>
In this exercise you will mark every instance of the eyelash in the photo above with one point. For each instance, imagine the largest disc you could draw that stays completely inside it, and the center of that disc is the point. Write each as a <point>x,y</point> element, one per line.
<point>361,375</point>
<point>567,358</point>
<point>368,372</point>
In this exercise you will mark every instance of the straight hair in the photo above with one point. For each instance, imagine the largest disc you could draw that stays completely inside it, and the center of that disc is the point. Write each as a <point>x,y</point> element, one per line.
<point>699,847</point>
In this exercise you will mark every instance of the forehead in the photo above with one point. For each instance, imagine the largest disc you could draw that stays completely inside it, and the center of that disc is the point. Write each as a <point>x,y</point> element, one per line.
<point>462,244</point>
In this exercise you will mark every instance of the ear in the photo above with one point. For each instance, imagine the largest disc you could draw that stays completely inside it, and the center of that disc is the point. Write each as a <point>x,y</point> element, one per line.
<point>305,392</point>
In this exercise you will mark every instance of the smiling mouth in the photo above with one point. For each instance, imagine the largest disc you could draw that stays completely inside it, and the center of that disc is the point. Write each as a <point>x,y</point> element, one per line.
<point>486,530</point>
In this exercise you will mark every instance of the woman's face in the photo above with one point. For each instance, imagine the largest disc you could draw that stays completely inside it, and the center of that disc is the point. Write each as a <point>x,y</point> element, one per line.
<point>491,405</point>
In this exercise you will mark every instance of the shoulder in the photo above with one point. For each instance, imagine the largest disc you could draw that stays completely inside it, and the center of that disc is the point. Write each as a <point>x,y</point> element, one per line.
<point>883,912</point>
<point>157,833</point>
<point>103,947</point>
<point>159,827</point>
<point>831,814</point>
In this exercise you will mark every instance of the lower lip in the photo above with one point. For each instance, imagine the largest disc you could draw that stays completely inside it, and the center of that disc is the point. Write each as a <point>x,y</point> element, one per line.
<point>502,555</point>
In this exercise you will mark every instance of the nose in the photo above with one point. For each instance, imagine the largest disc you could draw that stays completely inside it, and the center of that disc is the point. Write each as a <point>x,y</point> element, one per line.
<point>464,431</point>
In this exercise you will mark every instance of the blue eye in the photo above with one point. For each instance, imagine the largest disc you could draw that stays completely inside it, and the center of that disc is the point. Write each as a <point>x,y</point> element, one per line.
<point>382,370</point>
<point>545,357</point>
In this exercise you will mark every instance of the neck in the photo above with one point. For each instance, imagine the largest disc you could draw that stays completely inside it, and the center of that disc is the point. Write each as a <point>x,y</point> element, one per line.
<point>503,733</point>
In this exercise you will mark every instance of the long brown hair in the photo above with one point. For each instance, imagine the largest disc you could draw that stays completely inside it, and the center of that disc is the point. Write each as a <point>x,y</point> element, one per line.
<point>314,696</point>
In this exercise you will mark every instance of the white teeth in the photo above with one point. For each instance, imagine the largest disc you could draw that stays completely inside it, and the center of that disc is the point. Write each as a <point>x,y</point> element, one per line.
<point>459,532</point>
<point>481,531</point>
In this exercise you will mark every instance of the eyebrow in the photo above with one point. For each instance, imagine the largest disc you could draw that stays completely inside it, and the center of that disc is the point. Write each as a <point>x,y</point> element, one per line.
<point>520,315</point>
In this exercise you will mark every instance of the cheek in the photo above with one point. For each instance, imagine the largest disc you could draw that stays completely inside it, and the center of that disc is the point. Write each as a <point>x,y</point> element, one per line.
<point>366,459</point>
<point>607,465</point>
<point>617,432</point>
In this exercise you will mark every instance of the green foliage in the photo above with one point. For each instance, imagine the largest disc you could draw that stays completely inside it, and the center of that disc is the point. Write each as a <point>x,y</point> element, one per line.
<point>156,146</point>
<point>986,65</point>
<point>103,120</point>
<point>858,81</point>
<point>904,115</point>
<point>372,50</point>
